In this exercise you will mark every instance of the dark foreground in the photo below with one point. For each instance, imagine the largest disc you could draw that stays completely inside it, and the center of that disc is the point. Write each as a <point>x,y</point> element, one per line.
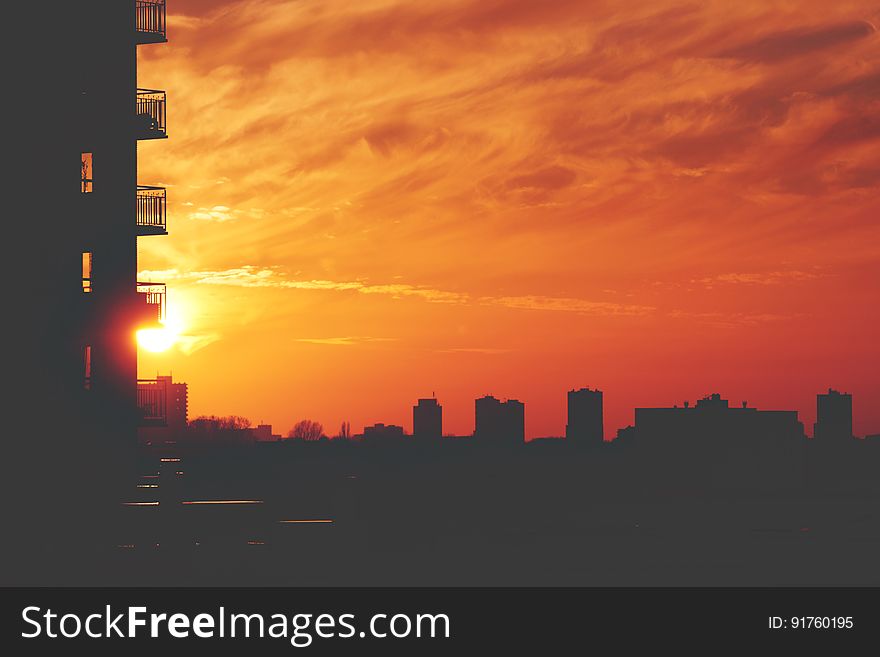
<point>317,515</point>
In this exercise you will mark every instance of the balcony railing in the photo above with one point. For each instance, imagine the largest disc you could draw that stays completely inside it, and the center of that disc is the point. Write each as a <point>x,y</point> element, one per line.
<point>150,21</point>
<point>151,210</point>
<point>152,402</point>
<point>150,114</point>
<point>154,300</point>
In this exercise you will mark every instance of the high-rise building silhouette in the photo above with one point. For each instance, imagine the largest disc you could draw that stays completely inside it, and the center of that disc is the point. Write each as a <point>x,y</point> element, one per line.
<point>178,403</point>
<point>113,210</point>
<point>428,419</point>
<point>834,419</point>
<point>75,244</point>
<point>585,425</point>
<point>499,422</point>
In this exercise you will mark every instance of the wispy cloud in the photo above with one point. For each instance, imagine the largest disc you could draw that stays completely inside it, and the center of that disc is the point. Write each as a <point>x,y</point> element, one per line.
<point>488,351</point>
<point>251,276</point>
<point>189,343</point>
<point>567,304</point>
<point>344,341</point>
<point>760,278</point>
<point>800,41</point>
<point>216,213</point>
<point>483,172</point>
<point>730,320</point>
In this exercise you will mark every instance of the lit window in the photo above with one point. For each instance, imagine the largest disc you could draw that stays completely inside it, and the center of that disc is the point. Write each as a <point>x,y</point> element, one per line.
<point>87,367</point>
<point>87,271</point>
<point>87,173</point>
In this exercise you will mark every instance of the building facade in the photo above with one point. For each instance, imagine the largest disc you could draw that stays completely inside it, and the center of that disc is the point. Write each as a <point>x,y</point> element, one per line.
<point>585,424</point>
<point>834,416</point>
<point>718,444</point>
<point>164,409</point>
<point>79,110</point>
<point>428,419</point>
<point>497,422</point>
<point>381,432</point>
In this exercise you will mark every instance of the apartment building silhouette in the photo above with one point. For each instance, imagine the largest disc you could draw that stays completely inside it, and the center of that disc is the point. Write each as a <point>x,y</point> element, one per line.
<point>74,132</point>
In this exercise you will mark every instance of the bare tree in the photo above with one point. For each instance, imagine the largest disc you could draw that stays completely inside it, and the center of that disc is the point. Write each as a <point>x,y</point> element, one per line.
<point>214,423</point>
<point>231,429</point>
<point>236,422</point>
<point>345,431</point>
<point>306,430</point>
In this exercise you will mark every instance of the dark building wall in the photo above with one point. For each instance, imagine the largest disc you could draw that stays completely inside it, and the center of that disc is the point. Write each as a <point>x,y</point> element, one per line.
<point>834,419</point>
<point>72,90</point>
<point>427,419</point>
<point>106,69</point>
<point>383,432</point>
<point>585,424</point>
<point>499,422</point>
<point>713,444</point>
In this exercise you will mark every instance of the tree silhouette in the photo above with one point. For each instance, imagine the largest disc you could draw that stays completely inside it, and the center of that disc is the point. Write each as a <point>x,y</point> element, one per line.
<point>214,423</point>
<point>86,173</point>
<point>306,430</point>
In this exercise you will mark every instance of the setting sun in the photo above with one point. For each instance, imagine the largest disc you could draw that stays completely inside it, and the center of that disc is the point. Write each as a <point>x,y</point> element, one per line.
<point>162,338</point>
<point>156,339</point>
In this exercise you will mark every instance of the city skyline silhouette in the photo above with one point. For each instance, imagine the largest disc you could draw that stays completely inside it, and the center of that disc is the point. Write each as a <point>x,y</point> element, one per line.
<point>314,213</point>
<point>584,421</point>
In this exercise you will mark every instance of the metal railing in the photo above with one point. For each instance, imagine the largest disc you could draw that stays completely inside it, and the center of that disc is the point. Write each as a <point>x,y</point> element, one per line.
<point>152,401</point>
<point>154,295</point>
<point>151,209</point>
<point>150,18</point>
<point>150,110</point>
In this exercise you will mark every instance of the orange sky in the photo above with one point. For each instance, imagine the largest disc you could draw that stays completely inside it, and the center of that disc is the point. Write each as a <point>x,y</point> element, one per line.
<point>374,200</point>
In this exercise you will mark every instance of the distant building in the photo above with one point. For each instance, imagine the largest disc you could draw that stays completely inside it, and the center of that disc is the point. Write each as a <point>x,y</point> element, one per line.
<point>165,409</point>
<point>714,417</point>
<point>381,431</point>
<point>833,416</point>
<point>719,444</point>
<point>263,433</point>
<point>428,419</point>
<point>585,425</point>
<point>177,403</point>
<point>499,422</point>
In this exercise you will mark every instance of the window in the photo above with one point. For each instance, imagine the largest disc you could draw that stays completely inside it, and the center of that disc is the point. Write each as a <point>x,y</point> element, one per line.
<point>87,183</point>
<point>87,367</point>
<point>87,271</point>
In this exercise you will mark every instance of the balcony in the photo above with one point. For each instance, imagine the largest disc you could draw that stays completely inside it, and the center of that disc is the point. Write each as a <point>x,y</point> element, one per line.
<point>151,210</point>
<point>150,119</point>
<point>153,296</point>
<point>150,21</point>
<point>152,402</point>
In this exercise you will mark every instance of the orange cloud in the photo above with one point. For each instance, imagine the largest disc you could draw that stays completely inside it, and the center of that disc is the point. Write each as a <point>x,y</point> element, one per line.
<point>652,197</point>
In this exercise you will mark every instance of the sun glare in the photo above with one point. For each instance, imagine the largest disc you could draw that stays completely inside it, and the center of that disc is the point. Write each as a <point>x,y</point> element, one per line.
<point>156,339</point>
<point>160,339</point>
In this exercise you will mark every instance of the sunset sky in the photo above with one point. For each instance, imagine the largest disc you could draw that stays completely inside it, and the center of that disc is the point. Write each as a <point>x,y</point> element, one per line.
<point>372,201</point>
